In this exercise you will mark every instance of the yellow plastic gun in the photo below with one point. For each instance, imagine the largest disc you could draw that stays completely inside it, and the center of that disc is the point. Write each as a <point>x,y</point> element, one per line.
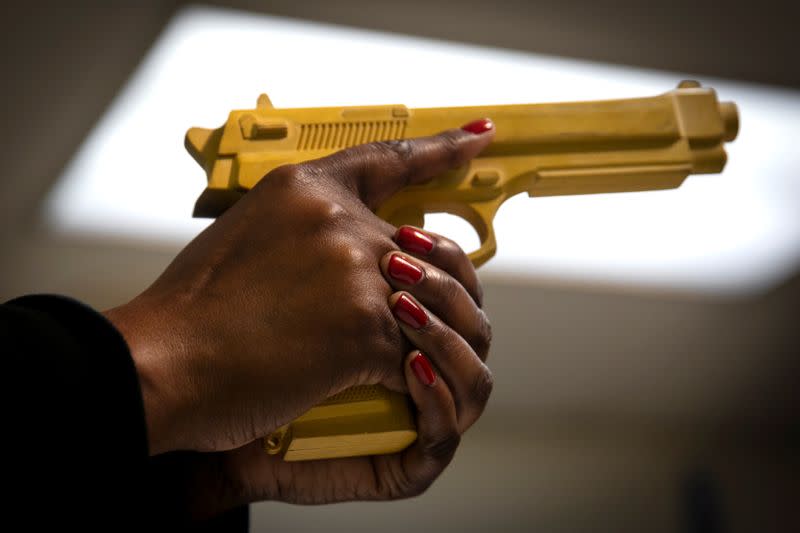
<point>634,144</point>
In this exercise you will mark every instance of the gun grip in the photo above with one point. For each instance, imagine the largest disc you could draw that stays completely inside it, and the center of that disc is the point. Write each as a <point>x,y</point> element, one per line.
<point>362,420</point>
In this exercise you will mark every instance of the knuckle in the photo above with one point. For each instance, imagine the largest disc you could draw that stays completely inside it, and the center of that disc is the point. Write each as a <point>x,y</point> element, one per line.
<point>443,448</point>
<point>482,386</point>
<point>479,301</point>
<point>320,212</point>
<point>362,313</point>
<point>385,341</point>
<point>410,487</point>
<point>417,488</point>
<point>483,338</point>
<point>400,149</point>
<point>445,340</point>
<point>457,263</point>
<point>331,212</point>
<point>351,260</point>
<point>385,327</point>
<point>376,319</point>
<point>451,143</point>
<point>285,176</point>
<point>449,289</point>
<point>451,247</point>
<point>396,155</point>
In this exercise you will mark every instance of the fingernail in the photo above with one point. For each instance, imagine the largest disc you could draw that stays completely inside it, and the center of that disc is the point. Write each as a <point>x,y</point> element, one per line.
<point>479,126</point>
<point>413,240</point>
<point>409,312</point>
<point>403,270</point>
<point>423,370</point>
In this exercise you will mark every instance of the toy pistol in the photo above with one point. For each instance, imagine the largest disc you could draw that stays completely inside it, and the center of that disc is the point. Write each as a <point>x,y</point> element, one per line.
<point>608,146</point>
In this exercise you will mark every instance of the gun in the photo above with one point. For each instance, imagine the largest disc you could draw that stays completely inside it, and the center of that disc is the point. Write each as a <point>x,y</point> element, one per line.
<point>607,146</point>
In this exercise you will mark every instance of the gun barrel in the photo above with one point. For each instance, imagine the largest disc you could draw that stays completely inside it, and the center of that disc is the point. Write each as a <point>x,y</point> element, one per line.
<point>691,116</point>
<point>572,125</point>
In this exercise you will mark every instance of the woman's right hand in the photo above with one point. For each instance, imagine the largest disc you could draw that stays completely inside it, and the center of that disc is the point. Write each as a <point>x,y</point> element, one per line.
<point>281,302</point>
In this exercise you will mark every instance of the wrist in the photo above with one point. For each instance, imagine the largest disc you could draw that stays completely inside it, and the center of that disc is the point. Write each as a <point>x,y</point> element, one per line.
<point>150,361</point>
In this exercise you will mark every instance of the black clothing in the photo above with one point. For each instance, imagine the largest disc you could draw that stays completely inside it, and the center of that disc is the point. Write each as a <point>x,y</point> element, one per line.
<point>74,432</point>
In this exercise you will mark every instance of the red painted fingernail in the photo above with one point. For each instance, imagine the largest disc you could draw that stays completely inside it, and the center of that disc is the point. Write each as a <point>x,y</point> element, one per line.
<point>413,240</point>
<point>409,312</point>
<point>478,126</point>
<point>403,270</point>
<point>423,370</point>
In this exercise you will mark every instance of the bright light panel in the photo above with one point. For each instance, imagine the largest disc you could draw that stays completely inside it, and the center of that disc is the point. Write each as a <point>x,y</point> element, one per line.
<point>734,233</point>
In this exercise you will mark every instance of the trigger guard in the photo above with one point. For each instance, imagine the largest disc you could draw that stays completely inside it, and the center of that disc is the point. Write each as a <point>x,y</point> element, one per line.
<point>480,217</point>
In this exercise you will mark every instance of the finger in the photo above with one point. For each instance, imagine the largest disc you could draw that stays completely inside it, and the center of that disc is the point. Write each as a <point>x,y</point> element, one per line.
<point>437,427</point>
<point>380,477</point>
<point>468,377</point>
<point>377,170</point>
<point>443,295</point>
<point>443,253</point>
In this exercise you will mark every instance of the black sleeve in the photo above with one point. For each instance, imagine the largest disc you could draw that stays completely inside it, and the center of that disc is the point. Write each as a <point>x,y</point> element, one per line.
<point>74,433</point>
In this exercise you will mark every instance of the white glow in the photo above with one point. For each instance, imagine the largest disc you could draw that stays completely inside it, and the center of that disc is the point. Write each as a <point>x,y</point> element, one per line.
<point>737,232</point>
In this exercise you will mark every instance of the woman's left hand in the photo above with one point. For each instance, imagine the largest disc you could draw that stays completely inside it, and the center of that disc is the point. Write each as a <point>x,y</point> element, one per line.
<point>450,385</point>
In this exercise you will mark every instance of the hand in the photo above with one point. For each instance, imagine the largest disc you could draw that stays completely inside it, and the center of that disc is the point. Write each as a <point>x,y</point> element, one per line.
<point>279,304</point>
<point>449,385</point>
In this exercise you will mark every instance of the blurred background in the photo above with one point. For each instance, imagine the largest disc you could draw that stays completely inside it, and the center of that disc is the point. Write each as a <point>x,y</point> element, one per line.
<point>646,382</point>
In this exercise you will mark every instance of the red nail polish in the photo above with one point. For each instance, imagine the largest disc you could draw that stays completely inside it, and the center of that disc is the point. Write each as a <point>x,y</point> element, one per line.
<point>479,126</point>
<point>409,312</point>
<point>423,370</point>
<point>403,270</point>
<point>413,240</point>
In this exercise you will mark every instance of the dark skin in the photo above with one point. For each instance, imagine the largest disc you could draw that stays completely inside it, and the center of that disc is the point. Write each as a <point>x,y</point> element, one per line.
<point>287,299</point>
